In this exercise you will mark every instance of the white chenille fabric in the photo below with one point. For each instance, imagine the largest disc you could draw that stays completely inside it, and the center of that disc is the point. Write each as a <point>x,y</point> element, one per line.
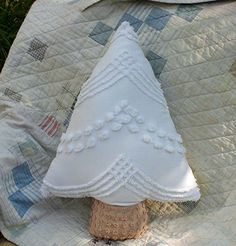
<point>121,146</point>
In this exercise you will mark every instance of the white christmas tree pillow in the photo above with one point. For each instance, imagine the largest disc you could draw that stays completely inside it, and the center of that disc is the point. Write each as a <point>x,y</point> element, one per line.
<point>121,146</point>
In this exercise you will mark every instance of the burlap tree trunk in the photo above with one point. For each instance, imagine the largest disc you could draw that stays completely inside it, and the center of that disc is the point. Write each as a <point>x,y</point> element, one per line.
<point>118,222</point>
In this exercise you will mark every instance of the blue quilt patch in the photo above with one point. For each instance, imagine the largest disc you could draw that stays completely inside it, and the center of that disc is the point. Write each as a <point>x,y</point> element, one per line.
<point>158,18</point>
<point>22,175</point>
<point>101,33</point>
<point>20,202</point>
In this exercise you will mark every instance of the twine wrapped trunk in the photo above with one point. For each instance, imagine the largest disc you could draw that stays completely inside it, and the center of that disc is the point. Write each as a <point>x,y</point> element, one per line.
<point>118,222</point>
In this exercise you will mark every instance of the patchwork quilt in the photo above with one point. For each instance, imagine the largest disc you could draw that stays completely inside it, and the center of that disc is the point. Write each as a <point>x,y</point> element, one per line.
<point>192,49</point>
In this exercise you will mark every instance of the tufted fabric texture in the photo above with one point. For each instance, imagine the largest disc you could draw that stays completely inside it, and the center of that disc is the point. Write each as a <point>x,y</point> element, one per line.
<point>192,49</point>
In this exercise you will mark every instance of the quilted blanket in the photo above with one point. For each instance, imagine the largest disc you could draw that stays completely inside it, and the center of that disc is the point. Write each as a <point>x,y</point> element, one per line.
<point>192,49</point>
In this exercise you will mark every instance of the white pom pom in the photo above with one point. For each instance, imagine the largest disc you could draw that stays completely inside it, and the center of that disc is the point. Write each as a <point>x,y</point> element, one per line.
<point>151,127</point>
<point>169,148</point>
<point>181,150</point>
<point>161,133</point>
<point>99,124</point>
<point>147,138</point>
<point>140,119</point>
<point>79,147</point>
<point>132,111</point>
<point>171,137</point>
<point>104,135</point>
<point>124,118</point>
<point>109,117</point>
<point>133,128</point>
<point>116,126</point>
<point>88,131</point>
<point>158,144</point>
<point>124,103</point>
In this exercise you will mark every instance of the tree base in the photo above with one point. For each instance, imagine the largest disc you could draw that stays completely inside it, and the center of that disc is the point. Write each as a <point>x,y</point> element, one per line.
<point>118,222</point>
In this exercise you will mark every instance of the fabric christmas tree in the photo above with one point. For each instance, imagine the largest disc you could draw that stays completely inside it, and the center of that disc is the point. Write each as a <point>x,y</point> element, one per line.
<point>121,146</point>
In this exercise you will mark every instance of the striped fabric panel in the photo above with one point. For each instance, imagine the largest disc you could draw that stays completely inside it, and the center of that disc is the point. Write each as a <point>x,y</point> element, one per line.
<point>50,125</point>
